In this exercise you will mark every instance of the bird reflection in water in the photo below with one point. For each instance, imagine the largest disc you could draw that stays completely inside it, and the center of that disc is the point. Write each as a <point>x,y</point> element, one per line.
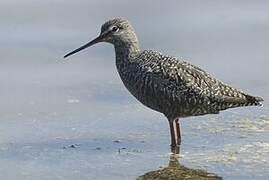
<point>176,171</point>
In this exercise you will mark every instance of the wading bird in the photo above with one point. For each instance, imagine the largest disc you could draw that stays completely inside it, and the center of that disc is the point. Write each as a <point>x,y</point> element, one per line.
<point>167,84</point>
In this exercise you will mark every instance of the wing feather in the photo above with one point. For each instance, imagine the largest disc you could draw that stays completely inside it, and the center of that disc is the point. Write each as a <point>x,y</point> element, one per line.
<point>190,78</point>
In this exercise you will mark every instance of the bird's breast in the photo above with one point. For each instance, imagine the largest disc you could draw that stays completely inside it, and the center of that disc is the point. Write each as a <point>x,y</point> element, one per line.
<point>139,83</point>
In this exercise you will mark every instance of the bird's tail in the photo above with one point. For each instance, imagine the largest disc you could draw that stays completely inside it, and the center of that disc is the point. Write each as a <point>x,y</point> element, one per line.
<point>253,100</point>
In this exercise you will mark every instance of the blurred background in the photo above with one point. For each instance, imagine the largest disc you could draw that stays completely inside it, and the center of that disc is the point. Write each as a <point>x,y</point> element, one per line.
<point>49,104</point>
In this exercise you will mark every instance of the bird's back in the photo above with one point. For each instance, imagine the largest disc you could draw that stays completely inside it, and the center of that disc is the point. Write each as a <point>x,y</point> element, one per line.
<point>178,88</point>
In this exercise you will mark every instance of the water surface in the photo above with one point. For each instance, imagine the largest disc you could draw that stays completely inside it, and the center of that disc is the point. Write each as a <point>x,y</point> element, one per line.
<point>75,120</point>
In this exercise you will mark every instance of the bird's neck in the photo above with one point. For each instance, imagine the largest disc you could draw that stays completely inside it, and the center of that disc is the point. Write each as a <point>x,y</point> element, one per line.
<point>126,50</point>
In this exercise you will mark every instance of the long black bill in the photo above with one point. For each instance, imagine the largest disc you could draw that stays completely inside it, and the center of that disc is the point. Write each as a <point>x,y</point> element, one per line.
<point>96,40</point>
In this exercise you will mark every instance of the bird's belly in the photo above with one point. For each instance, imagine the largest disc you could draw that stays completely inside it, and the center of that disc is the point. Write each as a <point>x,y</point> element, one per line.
<point>145,96</point>
<point>140,88</point>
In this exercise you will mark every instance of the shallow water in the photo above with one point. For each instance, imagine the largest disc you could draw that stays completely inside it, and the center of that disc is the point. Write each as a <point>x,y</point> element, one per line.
<point>75,120</point>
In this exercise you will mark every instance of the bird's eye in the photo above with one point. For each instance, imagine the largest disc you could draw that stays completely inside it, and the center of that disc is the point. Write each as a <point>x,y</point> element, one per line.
<point>115,29</point>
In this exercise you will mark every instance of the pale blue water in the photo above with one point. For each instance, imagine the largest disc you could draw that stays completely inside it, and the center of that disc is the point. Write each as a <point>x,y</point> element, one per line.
<point>47,104</point>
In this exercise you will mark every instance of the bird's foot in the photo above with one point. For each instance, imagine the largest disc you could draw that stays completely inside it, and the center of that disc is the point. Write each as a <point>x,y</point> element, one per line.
<point>175,149</point>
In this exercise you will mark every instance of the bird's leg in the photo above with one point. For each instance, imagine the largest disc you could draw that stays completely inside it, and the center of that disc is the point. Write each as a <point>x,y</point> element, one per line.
<point>174,141</point>
<point>175,149</point>
<point>178,132</point>
<point>172,133</point>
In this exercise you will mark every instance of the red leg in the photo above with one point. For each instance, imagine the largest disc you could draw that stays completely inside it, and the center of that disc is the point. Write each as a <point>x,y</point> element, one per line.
<point>178,132</point>
<point>175,136</point>
<point>172,133</point>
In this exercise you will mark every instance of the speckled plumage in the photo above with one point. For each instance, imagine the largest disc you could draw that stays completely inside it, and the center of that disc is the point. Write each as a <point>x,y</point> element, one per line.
<point>167,84</point>
<point>177,88</point>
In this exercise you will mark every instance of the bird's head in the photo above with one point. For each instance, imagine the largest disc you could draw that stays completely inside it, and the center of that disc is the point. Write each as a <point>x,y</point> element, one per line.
<point>118,32</point>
